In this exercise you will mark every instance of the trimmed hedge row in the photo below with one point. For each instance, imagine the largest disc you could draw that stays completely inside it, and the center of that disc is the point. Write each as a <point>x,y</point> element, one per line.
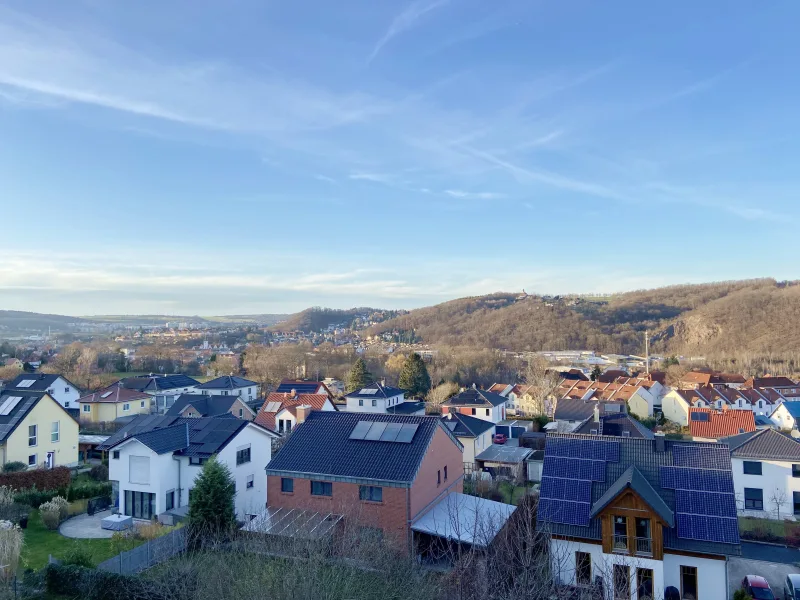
<point>84,491</point>
<point>42,479</point>
<point>73,581</point>
<point>35,498</point>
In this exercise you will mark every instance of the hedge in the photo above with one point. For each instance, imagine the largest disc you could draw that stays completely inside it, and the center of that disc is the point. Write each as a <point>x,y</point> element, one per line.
<point>73,581</point>
<point>83,491</point>
<point>35,498</point>
<point>42,479</point>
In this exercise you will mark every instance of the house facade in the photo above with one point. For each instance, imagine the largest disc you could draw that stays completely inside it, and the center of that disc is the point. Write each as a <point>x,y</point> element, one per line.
<point>230,385</point>
<point>474,434</point>
<point>786,415</point>
<point>378,472</point>
<point>279,411</point>
<point>374,398</point>
<point>629,512</point>
<point>205,405</point>
<point>164,389</point>
<point>36,430</point>
<point>480,404</point>
<point>113,402</point>
<point>766,474</point>
<point>154,461</point>
<point>58,387</point>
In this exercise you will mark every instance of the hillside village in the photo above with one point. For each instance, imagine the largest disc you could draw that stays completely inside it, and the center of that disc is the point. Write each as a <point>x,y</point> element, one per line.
<point>636,480</point>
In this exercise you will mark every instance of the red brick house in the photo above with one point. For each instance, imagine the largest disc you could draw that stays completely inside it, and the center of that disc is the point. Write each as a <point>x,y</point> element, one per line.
<point>377,471</point>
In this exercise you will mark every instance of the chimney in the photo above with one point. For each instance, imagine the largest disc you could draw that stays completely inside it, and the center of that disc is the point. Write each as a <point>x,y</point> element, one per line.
<point>383,382</point>
<point>294,393</point>
<point>302,413</point>
<point>659,441</point>
<point>596,413</point>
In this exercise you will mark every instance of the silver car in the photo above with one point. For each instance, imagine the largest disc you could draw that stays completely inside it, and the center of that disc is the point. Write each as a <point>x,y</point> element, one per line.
<point>791,587</point>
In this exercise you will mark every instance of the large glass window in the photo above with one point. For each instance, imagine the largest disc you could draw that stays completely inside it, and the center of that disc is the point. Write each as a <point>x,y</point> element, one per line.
<point>796,502</point>
<point>622,582</point>
<point>170,500</point>
<point>620,533</point>
<point>751,467</point>
<point>321,488</point>
<point>243,456</point>
<point>753,499</point>
<point>140,505</point>
<point>644,542</point>
<point>644,583</point>
<point>583,568</point>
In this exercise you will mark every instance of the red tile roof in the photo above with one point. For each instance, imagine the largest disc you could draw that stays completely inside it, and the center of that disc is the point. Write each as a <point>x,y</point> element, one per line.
<point>267,419</point>
<point>721,423</point>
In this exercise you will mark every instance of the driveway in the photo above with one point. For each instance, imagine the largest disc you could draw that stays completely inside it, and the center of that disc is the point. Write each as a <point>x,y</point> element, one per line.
<point>86,527</point>
<point>774,563</point>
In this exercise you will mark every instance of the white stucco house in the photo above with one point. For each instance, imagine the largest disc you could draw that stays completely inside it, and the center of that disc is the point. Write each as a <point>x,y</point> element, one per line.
<point>474,434</point>
<point>58,387</point>
<point>230,385</point>
<point>480,404</point>
<point>154,460</point>
<point>786,415</point>
<point>623,513</point>
<point>766,474</point>
<point>374,398</point>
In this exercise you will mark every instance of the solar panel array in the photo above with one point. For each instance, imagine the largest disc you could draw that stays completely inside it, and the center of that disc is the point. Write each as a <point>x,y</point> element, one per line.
<point>26,383</point>
<point>702,457</point>
<point>22,409</point>
<point>705,505</point>
<point>8,404</point>
<point>384,431</point>
<point>570,467</point>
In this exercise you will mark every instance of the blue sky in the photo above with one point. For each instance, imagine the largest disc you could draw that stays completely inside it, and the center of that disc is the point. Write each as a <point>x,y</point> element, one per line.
<point>251,156</point>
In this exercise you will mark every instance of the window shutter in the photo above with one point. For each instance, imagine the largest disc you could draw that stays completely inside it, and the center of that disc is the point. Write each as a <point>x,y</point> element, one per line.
<point>139,469</point>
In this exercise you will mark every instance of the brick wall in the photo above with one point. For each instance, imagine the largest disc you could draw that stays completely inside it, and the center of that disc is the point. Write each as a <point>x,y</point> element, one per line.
<point>390,515</point>
<point>427,486</point>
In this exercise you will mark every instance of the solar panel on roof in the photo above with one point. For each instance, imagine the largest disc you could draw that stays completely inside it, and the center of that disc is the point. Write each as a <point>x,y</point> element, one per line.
<point>407,432</point>
<point>26,383</point>
<point>8,404</point>
<point>360,430</point>
<point>578,468</point>
<point>558,488</point>
<point>684,455</point>
<point>701,480</point>
<point>369,391</point>
<point>391,432</point>
<point>708,529</point>
<point>106,394</point>
<point>564,512</point>
<point>711,504</point>
<point>605,450</point>
<point>700,416</point>
<point>375,432</point>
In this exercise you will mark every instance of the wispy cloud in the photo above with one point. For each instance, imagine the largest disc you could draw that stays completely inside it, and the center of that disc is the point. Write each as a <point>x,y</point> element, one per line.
<point>375,177</point>
<point>474,195</point>
<point>405,21</point>
<point>324,178</point>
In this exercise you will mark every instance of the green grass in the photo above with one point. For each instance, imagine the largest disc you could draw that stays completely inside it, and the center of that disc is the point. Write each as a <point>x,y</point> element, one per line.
<point>512,494</point>
<point>41,542</point>
<point>770,526</point>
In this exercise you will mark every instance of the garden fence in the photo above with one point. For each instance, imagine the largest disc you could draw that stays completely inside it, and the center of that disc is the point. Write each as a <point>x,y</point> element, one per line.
<point>148,554</point>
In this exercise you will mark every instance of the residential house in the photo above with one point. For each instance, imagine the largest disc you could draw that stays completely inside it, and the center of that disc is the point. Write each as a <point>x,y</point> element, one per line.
<point>766,474</point>
<point>778,383</point>
<point>204,405</point>
<point>572,412</point>
<point>473,433</point>
<point>505,461</point>
<point>613,424</point>
<point>381,472</point>
<point>164,389</point>
<point>677,403</point>
<point>279,411</point>
<point>786,415</point>
<point>631,515</point>
<point>381,398</point>
<point>711,424</point>
<point>644,396</point>
<point>301,386</point>
<point>58,387</point>
<point>230,385</point>
<point>477,403</point>
<point>155,459</point>
<point>36,430</point>
<point>611,375</point>
<point>113,402</point>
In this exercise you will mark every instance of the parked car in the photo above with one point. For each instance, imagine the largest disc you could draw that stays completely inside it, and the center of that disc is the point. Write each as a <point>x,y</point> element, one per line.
<point>757,587</point>
<point>791,587</point>
<point>500,438</point>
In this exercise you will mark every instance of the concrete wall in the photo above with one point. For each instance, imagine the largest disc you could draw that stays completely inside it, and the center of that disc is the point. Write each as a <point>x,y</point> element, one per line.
<point>43,415</point>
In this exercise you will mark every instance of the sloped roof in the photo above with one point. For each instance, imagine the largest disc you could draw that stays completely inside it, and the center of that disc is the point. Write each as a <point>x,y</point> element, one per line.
<point>769,382</point>
<point>322,446</point>
<point>113,394</point>
<point>161,441</point>
<point>466,519</point>
<point>20,409</point>
<point>764,444</point>
<point>205,405</point>
<point>634,480</point>
<point>465,425</point>
<point>41,381</point>
<point>615,424</point>
<point>155,383</point>
<point>276,402</point>
<point>302,386</point>
<point>793,408</point>
<point>226,382</point>
<point>720,423</point>
<point>405,408</point>
<point>475,397</point>
<point>375,390</point>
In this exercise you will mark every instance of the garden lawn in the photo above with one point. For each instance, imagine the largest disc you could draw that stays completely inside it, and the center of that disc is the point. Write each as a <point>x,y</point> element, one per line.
<point>41,542</point>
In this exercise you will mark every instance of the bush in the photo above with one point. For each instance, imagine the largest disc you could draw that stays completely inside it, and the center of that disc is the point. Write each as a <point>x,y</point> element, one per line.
<point>6,496</point>
<point>74,581</point>
<point>62,505</point>
<point>83,491</point>
<point>11,540</point>
<point>79,556</point>
<point>42,479</point>
<point>51,515</point>
<point>99,473</point>
<point>14,466</point>
<point>740,594</point>
<point>35,498</point>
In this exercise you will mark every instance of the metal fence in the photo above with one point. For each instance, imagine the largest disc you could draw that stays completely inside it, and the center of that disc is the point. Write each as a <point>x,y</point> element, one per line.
<point>148,554</point>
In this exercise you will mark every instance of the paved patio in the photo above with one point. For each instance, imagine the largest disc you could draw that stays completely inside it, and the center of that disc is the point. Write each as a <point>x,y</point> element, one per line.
<point>86,527</point>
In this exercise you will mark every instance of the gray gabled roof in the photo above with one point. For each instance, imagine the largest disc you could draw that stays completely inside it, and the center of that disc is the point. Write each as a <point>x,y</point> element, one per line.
<point>634,480</point>
<point>764,444</point>
<point>616,424</point>
<point>226,382</point>
<point>205,405</point>
<point>375,390</point>
<point>465,425</point>
<point>574,409</point>
<point>27,400</point>
<point>406,408</point>
<point>161,441</point>
<point>41,381</point>
<point>475,397</point>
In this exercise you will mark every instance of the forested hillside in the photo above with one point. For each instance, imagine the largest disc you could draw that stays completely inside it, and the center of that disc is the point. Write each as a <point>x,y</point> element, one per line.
<point>729,317</point>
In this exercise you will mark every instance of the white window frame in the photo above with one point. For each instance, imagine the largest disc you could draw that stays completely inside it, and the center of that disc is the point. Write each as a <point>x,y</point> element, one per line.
<point>126,407</point>
<point>87,408</point>
<point>35,460</point>
<point>34,437</point>
<point>250,482</point>
<point>55,432</point>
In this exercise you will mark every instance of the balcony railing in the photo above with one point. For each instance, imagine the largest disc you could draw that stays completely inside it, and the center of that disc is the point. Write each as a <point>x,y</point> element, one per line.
<point>644,546</point>
<point>641,546</point>
<point>620,543</point>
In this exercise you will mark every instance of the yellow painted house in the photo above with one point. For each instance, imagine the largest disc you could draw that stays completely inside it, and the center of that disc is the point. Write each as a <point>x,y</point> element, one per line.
<point>113,402</point>
<point>36,430</point>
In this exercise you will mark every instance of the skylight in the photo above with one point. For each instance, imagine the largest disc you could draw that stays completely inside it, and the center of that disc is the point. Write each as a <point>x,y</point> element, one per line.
<point>26,383</point>
<point>369,391</point>
<point>9,404</point>
<point>106,395</point>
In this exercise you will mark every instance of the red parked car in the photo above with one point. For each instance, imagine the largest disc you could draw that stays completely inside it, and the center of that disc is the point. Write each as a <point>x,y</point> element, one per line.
<point>757,587</point>
<point>500,438</point>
